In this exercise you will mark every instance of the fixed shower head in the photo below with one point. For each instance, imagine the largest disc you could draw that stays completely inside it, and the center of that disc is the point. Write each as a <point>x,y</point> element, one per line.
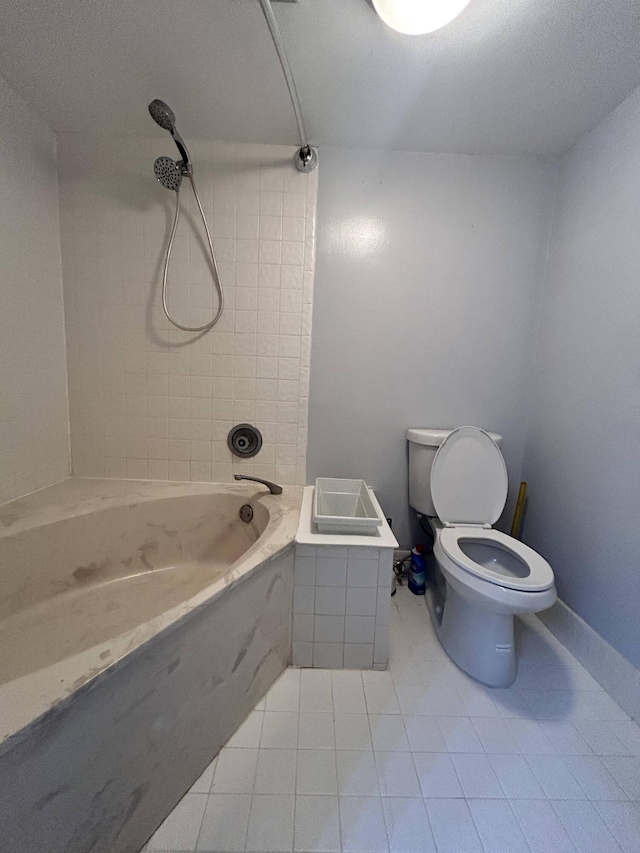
<point>162,114</point>
<point>168,172</point>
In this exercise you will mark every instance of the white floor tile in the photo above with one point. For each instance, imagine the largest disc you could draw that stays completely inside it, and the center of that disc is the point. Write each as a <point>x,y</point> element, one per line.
<point>424,734</point>
<point>437,775</point>
<point>279,730</point>
<point>316,731</point>
<point>625,770</point>
<point>566,738</point>
<point>357,774</point>
<point>362,825</point>
<point>224,826</point>
<point>453,827</point>
<point>604,706</point>
<point>414,701</point>
<point>495,735</point>
<point>555,777</point>
<point>421,757</point>
<point>276,771</point>
<point>376,677</point>
<point>600,737</point>
<point>446,702</point>
<point>285,693</point>
<point>317,825</point>
<point>397,775</point>
<point>316,695</point>
<point>497,827</point>
<point>594,778</point>
<point>405,671</point>
<point>628,732</point>
<point>387,733</point>
<point>248,735</point>
<point>348,698</point>
<point>235,771</point>
<point>585,827</point>
<point>271,824</point>
<point>516,777</point>
<point>408,828</point>
<point>530,737</point>
<point>477,700</point>
<point>511,703</point>
<point>477,776</point>
<point>623,819</point>
<point>316,773</point>
<point>203,784</point>
<point>352,731</point>
<point>381,699</point>
<point>542,827</point>
<point>459,734</point>
<point>181,828</point>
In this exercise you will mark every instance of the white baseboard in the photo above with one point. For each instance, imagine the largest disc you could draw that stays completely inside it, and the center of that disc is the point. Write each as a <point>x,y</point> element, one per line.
<point>610,669</point>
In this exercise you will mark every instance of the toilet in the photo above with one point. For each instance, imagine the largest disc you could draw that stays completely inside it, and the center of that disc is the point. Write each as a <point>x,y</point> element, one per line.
<point>458,479</point>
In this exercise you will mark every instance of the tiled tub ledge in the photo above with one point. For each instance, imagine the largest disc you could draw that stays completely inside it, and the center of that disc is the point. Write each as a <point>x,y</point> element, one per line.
<point>342,595</point>
<point>112,704</point>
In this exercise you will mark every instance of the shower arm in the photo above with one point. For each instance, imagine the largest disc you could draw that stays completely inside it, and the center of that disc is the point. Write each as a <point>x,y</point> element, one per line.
<point>306,158</point>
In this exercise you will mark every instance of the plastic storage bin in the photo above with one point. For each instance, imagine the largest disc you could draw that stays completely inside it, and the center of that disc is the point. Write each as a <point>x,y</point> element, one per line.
<point>344,506</point>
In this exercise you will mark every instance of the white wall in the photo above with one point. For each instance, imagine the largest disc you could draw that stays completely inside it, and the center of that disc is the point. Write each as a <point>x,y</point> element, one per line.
<point>428,271</point>
<point>34,422</point>
<point>583,452</point>
<point>146,399</point>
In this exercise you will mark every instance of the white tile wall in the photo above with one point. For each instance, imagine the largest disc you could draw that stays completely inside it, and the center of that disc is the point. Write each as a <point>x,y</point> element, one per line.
<point>146,399</point>
<point>34,420</point>
<point>341,606</point>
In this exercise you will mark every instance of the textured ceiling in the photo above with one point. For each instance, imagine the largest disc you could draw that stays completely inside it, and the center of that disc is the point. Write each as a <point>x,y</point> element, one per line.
<point>507,76</point>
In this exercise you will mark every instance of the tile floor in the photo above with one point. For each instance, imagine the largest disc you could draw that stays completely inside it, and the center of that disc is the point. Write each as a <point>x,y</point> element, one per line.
<point>421,758</point>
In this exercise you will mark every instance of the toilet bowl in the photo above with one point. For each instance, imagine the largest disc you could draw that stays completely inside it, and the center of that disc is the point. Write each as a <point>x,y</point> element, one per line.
<point>489,576</point>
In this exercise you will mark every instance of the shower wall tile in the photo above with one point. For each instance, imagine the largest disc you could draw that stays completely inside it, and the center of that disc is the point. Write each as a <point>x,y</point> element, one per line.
<point>146,399</point>
<point>34,420</point>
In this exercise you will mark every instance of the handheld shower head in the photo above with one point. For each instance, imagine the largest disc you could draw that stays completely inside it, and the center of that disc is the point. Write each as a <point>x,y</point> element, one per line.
<point>162,114</point>
<point>168,172</point>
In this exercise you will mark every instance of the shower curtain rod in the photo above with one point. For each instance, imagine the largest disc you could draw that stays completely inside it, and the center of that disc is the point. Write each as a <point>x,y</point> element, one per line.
<point>306,158</point>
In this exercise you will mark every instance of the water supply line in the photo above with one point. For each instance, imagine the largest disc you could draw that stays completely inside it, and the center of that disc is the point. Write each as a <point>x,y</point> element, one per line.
<point>305,159</point>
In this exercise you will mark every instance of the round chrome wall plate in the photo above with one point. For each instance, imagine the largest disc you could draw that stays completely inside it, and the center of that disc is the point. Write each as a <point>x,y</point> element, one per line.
<point>244,440</point>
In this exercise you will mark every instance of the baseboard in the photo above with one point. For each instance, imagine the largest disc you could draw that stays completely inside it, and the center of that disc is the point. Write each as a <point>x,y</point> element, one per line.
<point>610,669</point>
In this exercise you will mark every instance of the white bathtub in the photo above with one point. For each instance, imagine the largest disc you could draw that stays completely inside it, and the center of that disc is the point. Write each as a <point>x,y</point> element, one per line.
<point>139,624</point>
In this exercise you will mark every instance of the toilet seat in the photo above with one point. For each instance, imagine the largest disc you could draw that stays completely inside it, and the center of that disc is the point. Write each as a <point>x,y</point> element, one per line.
<point>469,489</point>
<point>494,545</point>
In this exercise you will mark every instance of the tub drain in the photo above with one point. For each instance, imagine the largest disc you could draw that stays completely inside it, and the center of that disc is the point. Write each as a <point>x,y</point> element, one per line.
<point>244,440</point>
<point>246,513</point>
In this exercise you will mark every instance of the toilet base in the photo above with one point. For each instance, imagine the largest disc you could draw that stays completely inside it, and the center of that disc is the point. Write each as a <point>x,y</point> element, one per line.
<point>478,640</point>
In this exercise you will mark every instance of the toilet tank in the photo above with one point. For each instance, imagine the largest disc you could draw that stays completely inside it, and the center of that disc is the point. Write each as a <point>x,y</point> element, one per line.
<point>423,446</point>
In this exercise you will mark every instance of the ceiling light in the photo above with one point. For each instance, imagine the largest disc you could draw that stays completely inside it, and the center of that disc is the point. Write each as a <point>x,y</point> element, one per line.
<point>415,17</point>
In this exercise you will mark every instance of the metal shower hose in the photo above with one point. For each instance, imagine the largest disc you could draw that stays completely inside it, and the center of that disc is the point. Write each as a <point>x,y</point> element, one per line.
<point>165,274</point>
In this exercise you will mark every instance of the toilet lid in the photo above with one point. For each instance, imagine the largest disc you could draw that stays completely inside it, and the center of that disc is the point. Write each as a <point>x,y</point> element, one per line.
<point>468,478</point>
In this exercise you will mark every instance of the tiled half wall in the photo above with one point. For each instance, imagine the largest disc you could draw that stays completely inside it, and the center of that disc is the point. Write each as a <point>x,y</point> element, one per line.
<point>146,399</point>
<point>341,606</point>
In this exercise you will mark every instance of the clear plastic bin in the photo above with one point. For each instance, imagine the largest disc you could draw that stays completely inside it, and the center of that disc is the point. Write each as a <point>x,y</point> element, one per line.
<point>344,506</point>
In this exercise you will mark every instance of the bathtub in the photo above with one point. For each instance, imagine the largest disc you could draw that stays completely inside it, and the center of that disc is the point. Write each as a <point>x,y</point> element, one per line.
<point>140,623</point>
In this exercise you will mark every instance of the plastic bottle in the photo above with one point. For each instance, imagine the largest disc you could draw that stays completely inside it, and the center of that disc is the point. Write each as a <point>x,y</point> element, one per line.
<point>418,572</point>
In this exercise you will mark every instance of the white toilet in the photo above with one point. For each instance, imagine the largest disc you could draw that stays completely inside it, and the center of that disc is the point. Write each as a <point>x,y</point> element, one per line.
<point>458,479</point>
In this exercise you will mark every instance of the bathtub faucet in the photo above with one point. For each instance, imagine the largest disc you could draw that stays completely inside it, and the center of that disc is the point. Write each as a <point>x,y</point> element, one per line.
<point>273,487</point>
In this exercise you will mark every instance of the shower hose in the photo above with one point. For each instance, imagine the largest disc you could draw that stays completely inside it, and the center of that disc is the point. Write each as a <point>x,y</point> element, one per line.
<point>216,274</point>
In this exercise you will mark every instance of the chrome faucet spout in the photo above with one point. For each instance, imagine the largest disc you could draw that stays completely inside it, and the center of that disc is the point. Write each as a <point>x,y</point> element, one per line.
<point>273,487</point>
